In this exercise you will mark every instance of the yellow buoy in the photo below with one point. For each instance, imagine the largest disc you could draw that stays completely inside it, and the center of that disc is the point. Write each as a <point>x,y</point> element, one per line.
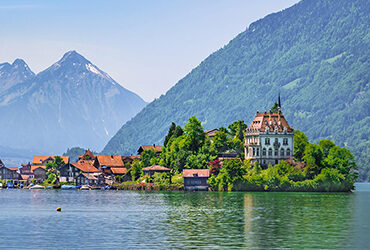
<point>59,209</point>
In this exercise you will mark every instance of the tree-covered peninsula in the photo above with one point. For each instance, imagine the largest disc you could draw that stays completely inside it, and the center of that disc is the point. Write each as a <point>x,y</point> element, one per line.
<point>322,167</point>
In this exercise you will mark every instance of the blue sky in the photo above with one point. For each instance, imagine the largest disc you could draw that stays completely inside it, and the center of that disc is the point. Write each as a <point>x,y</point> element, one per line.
<point>145,45</point>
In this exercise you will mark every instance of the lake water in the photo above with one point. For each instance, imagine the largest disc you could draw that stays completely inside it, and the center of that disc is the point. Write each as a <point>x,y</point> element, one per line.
<point>130,219</point>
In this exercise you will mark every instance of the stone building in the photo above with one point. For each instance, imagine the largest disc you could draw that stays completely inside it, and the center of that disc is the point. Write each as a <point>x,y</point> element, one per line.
<point>269,138</point>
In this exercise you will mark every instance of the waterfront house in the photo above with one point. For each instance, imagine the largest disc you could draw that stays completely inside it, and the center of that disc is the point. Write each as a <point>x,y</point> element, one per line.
<point>269,138</point>
<point>155,169</point>
<point>91,179</point>
<point>39,173</point>
<point>196,179</point>
<point>157,149</point>
<point>25,169</point>
<point>69,172</point>
<point>9,173</point>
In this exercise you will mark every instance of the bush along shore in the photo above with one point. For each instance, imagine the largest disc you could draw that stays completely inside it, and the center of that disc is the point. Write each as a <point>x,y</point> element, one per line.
<point>322,167</point>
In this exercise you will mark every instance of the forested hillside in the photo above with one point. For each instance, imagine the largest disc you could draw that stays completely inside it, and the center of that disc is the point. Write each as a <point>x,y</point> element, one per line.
<point>316,52</point>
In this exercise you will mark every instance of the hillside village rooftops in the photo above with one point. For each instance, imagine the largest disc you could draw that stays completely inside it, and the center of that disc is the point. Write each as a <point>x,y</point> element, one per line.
<point>85,167</point>
<point>110,160</point>
<point>88,154</point>
<point>272,121</point>
<point>41,159</point>
<point>196,173</point>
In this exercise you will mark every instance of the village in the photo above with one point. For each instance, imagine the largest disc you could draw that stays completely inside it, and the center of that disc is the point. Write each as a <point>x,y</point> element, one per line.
<point>268,140</point>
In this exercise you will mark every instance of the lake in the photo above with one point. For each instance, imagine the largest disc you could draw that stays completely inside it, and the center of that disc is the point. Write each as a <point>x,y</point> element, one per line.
<point>131,219</point>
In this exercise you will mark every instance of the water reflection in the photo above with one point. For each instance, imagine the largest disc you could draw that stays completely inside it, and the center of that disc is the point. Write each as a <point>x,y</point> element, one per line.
<point>262,220</point>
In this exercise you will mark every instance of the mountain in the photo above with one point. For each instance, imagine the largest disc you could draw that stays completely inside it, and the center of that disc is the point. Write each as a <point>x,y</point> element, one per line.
<point>316,52</point>
<point>71,103</point>
<point>15,73</point>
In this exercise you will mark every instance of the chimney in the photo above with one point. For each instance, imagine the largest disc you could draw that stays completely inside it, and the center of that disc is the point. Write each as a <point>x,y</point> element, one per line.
<point>153,145</point>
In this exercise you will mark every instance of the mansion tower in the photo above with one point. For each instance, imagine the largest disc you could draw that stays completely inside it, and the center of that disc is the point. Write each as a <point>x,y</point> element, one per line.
<point>269,138</point>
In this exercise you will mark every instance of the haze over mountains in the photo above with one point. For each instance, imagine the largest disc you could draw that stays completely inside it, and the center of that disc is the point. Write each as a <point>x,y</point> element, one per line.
<point>71,103</point>
<point>316,52</point>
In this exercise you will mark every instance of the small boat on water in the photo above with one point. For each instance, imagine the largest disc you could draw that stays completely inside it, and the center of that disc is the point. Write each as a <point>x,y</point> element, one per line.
<point>37,187</point>
<point>49,187</point>
<point>67,187</point>
<point>84,187</point>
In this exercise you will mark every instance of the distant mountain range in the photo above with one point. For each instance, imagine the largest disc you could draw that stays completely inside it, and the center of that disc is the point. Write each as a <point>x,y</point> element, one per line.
<point>71,103</point>
<point>316,52</point>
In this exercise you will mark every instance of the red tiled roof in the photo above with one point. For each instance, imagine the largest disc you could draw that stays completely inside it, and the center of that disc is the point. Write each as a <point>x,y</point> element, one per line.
<point>90,176</point>
<point>85,167</point>
<point>156,167</point>
<point>110,160</point>
<point>25,176</point>
<point>271,120</point>
<point>196,173</point>
<point>41,159</point>
<point>119,170</point>
<point>132,157</point>
<point>87,153</point>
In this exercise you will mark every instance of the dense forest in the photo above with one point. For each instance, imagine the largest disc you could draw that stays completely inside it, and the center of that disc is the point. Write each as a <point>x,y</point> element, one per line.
<point>316,53</point>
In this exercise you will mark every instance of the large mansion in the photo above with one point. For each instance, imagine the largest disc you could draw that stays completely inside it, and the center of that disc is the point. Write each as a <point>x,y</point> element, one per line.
<point>269,138</point>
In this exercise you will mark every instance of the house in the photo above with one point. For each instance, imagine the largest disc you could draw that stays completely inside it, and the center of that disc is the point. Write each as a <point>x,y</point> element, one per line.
<point>39,173</point>
<point>88,156</point>
<point>127,160</point>
<point>94,179</point>
<point>155,169</point>
<point>157,149</point>
<point>227,156</point>
<point>196,179</point>
<point>269,138</point>
<point>211,133</point>
<point>43,160</point>
<point>9,173</point>
<point>25,169</point>
<point>106,162</point>
<point>69,172</point>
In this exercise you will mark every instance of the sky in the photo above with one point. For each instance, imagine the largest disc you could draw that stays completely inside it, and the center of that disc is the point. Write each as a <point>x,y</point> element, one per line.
<point>145,45</point>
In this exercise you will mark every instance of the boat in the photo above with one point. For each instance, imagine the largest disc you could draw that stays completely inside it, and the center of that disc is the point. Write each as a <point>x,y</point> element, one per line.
<point>37,187</point>
<point>85,187</point>
<point>67,187</point>
<point>48,187</point>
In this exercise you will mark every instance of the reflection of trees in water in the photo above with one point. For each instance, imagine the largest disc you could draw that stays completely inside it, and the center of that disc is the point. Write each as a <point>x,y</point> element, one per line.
<point>300,220</point>
<point>262,220</point>
<point>206,219</point>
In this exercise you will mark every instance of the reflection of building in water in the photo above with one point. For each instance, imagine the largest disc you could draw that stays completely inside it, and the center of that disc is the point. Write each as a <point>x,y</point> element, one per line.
<point>248,215</point>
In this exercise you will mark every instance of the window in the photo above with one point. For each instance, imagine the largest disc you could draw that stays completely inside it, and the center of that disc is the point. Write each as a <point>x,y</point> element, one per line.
<point>258,151</point>
<point>270,151</point>
<point>254,151</point>
<point>285,141</point>
<point>282,152</point>
<point>288,152</point>
<point>264,151</point>
<point>276,152</point>
<point>267,141</point>
<point>276,140</point>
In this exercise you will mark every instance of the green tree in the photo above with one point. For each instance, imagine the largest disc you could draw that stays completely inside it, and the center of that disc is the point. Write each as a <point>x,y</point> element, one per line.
<point>221,141</point>
<point>274,109</point>
<point>300,143</point>
<point>326,145</point>
<point>147,157</point>
<point>171,131</point>
<point>136,169</point>
<point>313,157</point>
<point>341,159</point>
<point>194,133</point>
